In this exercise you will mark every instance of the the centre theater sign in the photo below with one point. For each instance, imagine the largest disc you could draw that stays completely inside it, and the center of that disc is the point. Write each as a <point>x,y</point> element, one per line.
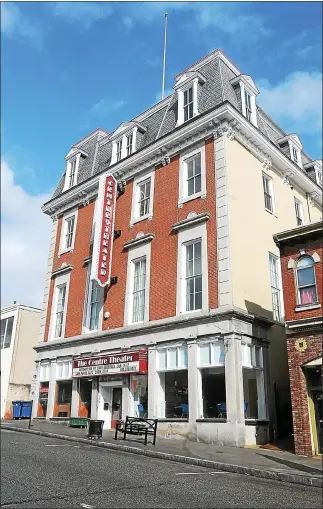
<point>124,363</point>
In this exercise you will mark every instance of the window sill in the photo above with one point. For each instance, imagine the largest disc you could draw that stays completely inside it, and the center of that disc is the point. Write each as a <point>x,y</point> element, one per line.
<point>64,251</point>
<point>271,212</point>
<point>175,419</point>
<point>256,422</point>
<point>191,198</point>
<point>305,307</point>
<point>139,219</point>
<point>211,419</point>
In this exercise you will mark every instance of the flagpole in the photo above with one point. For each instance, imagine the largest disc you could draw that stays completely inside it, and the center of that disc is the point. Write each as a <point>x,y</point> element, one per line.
<point>164,62</point>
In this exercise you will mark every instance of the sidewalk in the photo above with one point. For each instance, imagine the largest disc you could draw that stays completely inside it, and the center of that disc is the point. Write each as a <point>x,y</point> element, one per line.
<point>271,464</point>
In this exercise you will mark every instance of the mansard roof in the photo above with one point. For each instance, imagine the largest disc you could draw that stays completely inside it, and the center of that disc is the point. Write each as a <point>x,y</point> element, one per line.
<point>219,75</point>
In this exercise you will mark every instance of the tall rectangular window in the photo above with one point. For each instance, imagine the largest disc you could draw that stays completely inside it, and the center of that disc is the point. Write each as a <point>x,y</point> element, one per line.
<point>6,331</point>
<point>299,212</point>
<point>119,150</point>
<point>188,104</point>
<point>268,193</point>
<point>129,144</point>
<point>194,276</point>
<point>275,287</point>
<point>72,173</point>
<point>193,175</point>
<point>248,105</point>
<point>144,197</point>
<point>294,155</point>
<point>93,302</point>
<point>69,231</point>
<point>139,290</point>
<point>60,309</point>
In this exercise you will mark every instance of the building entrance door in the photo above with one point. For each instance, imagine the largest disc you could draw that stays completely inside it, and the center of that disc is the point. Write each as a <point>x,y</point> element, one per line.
<point>116,406</point>
<point>318,405</point>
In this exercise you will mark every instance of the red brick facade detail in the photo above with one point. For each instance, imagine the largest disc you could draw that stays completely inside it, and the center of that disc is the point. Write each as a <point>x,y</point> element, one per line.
<point>298,387</point>
<point>163,275</point>
<point>288,277</point>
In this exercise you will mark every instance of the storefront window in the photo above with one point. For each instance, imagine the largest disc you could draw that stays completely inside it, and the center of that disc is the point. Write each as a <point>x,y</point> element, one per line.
<point>213,393</point>
<point>62,407</point>
<point>139,392</point>
<point>43,399</point>
<point>253,382</point>
<point>176,394</point>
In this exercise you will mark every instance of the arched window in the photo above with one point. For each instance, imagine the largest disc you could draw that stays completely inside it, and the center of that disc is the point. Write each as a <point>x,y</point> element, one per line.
<point>306,282</point>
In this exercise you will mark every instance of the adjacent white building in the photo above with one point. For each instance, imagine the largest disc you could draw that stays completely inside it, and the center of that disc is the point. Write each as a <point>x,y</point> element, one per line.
<point>19,333</point>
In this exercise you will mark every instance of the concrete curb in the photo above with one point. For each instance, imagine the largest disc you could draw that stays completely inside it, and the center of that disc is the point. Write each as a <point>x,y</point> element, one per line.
<point>316,482</point>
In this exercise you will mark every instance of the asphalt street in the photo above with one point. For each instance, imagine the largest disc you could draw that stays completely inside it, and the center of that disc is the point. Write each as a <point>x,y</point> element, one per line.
<point>49,473</point>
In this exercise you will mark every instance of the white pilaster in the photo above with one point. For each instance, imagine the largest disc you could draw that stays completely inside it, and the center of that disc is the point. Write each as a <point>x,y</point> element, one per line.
<point>234,389</point>
<point>153,384</point>
<point>95,398</point>
<point>193,396</point>
<point>75,398</point>
<point>52,390</point>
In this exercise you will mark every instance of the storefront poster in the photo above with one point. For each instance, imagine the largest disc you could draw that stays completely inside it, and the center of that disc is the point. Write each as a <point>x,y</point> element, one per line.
<point>121,363</point>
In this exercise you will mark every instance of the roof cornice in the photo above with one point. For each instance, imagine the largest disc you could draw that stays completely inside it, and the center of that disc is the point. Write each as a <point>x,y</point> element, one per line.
<point>299,231</point>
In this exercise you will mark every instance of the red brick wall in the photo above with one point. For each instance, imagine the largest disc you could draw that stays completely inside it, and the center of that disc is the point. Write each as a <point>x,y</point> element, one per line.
<point>163,249</point>
<point>298,386</point>
<point>288,278</point>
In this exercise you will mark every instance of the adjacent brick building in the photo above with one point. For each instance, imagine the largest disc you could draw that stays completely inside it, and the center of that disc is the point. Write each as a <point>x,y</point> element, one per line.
<point>301,265</point>
<point>189,329</point>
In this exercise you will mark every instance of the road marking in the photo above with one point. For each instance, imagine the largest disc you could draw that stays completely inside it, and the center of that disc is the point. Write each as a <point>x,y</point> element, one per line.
<point>58,445</point>
<point>86,506</point>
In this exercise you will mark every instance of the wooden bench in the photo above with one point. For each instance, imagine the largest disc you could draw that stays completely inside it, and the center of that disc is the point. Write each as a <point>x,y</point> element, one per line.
<point>137,426</point>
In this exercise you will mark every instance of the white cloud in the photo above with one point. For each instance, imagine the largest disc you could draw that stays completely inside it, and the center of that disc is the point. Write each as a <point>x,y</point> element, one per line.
<point>105,106</point>
<point>82,13</point>
<point>295,103</point>
<point>25,234</point>
<point>15,24</point>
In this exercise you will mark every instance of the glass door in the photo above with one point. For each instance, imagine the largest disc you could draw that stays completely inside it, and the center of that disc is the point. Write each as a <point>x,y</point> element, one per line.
<point>116,406</point>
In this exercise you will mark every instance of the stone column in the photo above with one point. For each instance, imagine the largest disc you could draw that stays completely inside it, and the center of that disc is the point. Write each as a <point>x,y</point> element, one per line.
<point>37,387</point>
<point>193,393</point>
<point>234,390</point>
<point>94,398</point>
<point>75,398</point>
<point>52,390</point>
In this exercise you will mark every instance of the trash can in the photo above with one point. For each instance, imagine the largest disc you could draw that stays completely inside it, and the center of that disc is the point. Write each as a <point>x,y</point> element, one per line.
<point>26,407</point>
<point>95,429</point>
<point>16,409</point>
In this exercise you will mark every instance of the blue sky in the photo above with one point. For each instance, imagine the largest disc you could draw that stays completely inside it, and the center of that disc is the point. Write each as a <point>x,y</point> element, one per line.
<point>70,67</point>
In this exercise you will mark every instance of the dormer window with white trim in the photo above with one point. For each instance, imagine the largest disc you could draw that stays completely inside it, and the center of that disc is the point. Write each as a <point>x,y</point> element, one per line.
<point>187,94</point>
<point>295,147</point>
<point>314,171</point>
<point>72,167</point>
<point>125,140</point>
<point>72,173</point>
<point>248,93</point>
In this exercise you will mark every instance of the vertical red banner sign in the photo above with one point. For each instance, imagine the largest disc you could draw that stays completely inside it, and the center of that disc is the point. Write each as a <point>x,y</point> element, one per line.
<point>104,230</point>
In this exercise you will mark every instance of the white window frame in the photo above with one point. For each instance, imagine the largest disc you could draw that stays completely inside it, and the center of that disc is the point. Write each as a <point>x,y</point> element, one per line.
<point>135,217</point>
<point>185,157</point>
<point>63,279</point>
<point>180,357</point>
<point>299,204</point>
<point>253,115</point>
<point>271,192</point>
<point>119,143</point>
<point>134,254</point>
<point>298,295</point>
<point>295,154</point>
<point>180,98</point>
<point>69,164</point>
<point>259,371</point>
<point>65,218</point>
<point>186,237</point>
<point>87,304</point>
<point>211,344</point>
<point>67,374</point>
<point>129,146</point>
<point>279,288</point>
<point>318,176</point>
<point>44,371</point>
<point>6,319</point>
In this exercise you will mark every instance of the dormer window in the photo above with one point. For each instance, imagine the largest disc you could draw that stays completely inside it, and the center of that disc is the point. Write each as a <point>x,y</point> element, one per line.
<point>187,87</point>
<point>248,105</point>
<point>126,140</point>
<point>119,150</point>
<point>292,142</point>
<point>72,174</point>
<point>248,92</point>
<point>129,144</point>
<point>188,104</point>
<point>314,171</point>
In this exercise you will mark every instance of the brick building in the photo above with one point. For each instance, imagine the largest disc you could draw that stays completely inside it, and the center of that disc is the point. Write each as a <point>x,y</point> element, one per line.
<point>301,265</point>
<point>190,327</point>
